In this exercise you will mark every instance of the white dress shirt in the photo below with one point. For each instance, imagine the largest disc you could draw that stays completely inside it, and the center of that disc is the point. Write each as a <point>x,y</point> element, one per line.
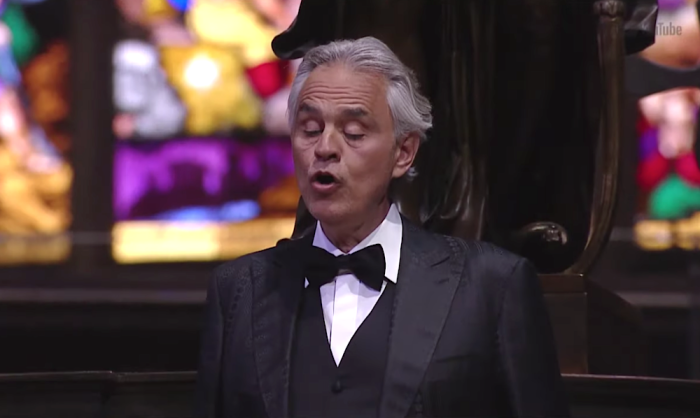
<point>346,301</point>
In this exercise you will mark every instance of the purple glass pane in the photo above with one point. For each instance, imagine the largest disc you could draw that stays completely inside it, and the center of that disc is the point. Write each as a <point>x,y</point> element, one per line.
<point>648,143</point>
<point>671,4</point>
<point>195,176</point>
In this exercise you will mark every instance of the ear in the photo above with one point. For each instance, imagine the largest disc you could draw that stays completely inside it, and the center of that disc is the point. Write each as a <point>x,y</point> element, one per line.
<point>405,153</point>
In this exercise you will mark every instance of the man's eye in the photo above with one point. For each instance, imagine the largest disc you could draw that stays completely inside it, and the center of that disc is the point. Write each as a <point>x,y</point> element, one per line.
<point>353,131</point>
<point>353,137</point>
<point>311,128</point>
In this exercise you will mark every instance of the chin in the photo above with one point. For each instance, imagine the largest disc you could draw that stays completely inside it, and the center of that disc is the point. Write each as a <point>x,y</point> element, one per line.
<point>327,212</point>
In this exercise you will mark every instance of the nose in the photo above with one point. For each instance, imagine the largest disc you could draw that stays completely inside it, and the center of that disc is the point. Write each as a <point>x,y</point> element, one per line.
<point>327,147</point>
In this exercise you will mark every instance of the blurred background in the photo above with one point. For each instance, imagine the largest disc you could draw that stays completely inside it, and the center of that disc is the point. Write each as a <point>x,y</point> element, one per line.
<point>142,142</point>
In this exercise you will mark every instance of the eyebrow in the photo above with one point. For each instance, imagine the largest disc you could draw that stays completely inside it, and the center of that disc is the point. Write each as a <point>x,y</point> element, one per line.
<point>353,112</point>
<point>307,108</point>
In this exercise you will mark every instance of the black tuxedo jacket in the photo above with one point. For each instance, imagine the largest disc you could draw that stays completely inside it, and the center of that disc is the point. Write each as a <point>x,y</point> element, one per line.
<point>471,335</point>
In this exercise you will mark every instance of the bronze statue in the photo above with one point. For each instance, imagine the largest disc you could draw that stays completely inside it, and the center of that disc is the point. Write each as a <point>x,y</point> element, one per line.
<point>525,93</point>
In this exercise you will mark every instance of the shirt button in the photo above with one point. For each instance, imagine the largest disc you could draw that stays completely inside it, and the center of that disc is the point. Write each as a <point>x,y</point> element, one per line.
<point>337,387</point>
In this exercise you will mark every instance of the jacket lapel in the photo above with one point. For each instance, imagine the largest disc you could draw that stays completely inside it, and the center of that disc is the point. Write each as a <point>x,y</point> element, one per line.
<point>428,278</point>
<point>276,296</point>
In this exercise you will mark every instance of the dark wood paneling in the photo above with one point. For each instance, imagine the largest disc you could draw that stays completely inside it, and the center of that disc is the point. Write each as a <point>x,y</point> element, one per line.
<point>40,337</point>
<point>152,395</point>
<point>568,316</point>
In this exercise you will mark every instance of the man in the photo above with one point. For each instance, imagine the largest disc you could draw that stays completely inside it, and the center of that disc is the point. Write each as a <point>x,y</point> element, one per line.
<point>402,322</point>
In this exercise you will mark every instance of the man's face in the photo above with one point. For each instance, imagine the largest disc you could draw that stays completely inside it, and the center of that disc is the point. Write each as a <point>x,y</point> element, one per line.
<point>345,153</point>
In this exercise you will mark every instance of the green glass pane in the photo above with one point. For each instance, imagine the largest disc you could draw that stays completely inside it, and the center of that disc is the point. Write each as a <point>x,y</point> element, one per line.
<point>24,37</point>
<point>673,199</point>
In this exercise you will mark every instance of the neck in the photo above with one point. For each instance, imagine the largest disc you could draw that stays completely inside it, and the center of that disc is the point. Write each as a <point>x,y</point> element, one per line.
<point>347,235</point>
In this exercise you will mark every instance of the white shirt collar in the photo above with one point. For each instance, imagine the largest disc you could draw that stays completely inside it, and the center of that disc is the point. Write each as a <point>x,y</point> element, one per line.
<point>388,234</point>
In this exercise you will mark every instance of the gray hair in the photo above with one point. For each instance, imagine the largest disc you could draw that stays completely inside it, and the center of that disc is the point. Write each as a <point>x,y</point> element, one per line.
<point>410,110</point>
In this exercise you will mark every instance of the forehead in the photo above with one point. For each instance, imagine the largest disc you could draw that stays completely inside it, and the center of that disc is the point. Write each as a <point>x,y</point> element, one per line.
<point>338,86</point>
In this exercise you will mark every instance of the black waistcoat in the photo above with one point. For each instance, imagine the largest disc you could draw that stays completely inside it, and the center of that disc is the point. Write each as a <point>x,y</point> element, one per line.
<point>353,389</point>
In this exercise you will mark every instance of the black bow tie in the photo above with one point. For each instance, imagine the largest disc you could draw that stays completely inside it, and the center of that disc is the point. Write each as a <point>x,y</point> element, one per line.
<point>367,264</point>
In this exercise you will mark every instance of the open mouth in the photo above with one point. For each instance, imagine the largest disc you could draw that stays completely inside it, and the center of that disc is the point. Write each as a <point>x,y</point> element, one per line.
<point>324,179</point>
